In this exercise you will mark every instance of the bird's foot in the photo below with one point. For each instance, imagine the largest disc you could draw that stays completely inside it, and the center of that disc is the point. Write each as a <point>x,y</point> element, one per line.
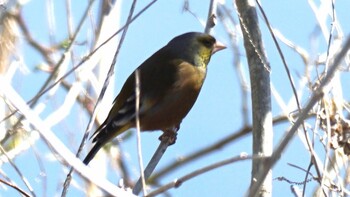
<point>169,136</point>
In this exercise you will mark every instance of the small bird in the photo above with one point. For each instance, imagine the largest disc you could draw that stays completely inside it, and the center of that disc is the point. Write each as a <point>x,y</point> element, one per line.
<point>170,81</point>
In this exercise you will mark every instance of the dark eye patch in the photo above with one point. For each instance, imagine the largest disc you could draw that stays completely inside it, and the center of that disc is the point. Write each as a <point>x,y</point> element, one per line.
<point>208,41</point>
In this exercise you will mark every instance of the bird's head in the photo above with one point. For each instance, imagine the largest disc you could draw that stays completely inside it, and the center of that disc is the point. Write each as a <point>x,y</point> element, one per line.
<point>196,47</point>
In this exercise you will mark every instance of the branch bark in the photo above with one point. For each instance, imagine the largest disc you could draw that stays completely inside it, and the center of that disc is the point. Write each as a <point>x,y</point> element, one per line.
<point>261,94</point>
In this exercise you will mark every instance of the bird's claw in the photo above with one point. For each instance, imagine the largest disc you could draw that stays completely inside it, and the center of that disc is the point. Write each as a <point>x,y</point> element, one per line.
<point>168,137</point>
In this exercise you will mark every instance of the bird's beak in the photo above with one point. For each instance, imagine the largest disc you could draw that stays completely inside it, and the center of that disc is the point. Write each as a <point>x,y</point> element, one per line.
<point>217,47</point>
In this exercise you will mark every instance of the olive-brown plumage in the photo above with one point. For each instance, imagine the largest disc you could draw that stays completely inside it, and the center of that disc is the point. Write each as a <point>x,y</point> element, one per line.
<point>170,81</point>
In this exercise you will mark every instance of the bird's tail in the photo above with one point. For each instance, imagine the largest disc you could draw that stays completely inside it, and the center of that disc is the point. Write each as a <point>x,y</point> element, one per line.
<point>101,137</point>
<point>97,146</point>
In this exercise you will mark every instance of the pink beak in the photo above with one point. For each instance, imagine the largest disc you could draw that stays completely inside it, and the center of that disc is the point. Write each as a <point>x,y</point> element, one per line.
<point>218,46</point>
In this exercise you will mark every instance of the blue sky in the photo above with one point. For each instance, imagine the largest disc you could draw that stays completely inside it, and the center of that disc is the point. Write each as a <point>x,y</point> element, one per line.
<point>217,112</point>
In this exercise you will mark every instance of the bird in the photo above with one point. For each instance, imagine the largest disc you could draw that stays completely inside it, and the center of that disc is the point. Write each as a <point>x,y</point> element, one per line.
<point>170,81</point>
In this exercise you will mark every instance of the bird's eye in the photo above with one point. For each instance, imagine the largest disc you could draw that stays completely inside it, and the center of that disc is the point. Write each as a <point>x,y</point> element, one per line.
<point>208,43</point>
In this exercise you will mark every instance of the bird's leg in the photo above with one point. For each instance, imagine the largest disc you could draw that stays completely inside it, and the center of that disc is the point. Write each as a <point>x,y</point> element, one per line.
<point>169,135</point>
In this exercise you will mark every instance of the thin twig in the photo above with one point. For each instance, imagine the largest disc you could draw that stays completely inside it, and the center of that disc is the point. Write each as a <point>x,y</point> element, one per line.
<point>158,154</point>
<point>178,182</point>
<point>218,145</point>
<point>46,87</point>
<point>211,16</point>
<point>186,8</point>
<point>54,143</point>
<point>302,169</point>
<point>291,81</point>
<point>103,90</point>
<point>44,51</point>
<point>15,187</point>
<point>24,179</point>
<point>232,31</point>
<point>86,58</point>
<point>328,59</point>
<point>315,97</point>
<point>139,146</point>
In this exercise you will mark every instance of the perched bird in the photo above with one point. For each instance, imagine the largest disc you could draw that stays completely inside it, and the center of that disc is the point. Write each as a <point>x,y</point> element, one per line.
<point>170,81</point>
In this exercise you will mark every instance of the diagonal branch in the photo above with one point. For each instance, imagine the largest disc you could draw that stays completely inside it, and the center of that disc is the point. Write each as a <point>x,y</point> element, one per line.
<point>315,97</point>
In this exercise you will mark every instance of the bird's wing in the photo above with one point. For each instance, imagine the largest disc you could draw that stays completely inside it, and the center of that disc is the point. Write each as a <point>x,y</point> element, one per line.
<point>157,77</point>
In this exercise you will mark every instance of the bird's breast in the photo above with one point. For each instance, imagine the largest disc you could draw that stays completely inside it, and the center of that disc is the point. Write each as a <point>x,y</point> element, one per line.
<point>190,77</point>
<point>170,110</point>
